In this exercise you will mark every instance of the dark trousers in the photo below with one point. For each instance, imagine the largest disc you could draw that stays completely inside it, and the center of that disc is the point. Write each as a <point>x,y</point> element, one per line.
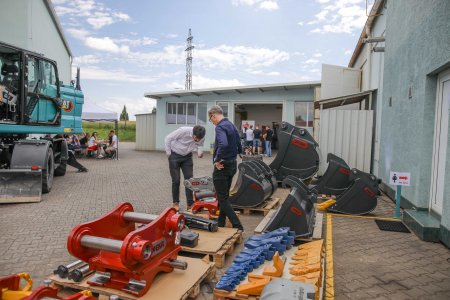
<point>185,163</point>
<point>222,183</point>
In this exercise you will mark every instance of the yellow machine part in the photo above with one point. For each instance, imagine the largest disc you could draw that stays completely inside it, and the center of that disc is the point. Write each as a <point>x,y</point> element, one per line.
<point>278,265</point>
<point>306,260</point>
<point>301,269</point>
<point>21,292</point>
<point>326,204</point>
<point>255,285</point>
<point>311,245</point>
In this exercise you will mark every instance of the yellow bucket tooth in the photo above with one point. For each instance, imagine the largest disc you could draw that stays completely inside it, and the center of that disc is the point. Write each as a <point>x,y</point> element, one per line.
<point>255,285</point>
<point>326,204</point>
<point>278,265</point>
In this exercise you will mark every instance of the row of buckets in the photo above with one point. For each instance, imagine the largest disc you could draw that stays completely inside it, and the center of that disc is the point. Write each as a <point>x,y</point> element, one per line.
<point>297,162</point>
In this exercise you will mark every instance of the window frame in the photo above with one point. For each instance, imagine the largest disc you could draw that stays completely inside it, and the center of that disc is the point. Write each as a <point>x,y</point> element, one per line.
<point>309,118</point>
<point>186,113</point>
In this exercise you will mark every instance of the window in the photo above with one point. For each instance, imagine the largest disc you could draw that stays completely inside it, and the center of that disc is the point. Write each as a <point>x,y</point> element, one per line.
<point>49,74</point>
<point>304,114</point>
<point>190,113</point>
<point>224,106</point>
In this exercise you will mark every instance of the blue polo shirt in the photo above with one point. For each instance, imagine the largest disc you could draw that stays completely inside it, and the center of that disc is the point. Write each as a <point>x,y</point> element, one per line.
<point>228,143</point>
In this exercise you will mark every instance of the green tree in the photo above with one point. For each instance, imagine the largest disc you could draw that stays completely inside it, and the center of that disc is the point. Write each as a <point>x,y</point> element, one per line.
<point>124,116</point>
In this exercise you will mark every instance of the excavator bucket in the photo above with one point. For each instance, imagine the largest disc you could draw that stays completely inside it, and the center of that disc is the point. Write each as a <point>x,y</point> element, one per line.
<point>297,153</point>
<point>297,211</point>
<point>336,178</point>
<point>252,186</point>
<point>20,185</point>
<point>270,176</point>
<point>361,197</point>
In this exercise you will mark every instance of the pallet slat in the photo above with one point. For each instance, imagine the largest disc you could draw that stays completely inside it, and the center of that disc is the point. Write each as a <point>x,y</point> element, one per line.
<point>265,207</point>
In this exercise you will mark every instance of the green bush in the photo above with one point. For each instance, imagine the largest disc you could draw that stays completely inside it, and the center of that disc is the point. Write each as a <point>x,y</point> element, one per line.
<point>125,134</point>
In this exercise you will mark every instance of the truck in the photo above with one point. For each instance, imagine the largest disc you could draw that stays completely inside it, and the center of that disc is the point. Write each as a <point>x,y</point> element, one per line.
<point>37,111</point>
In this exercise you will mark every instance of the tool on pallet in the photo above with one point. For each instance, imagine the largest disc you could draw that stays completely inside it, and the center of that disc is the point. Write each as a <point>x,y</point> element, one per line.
<point>297,153</point>
<point>284,289</point>
<point>297,211</point>
<point>254,185</point>
<point>124,257</point>
<point>259,248</point>
<point>359,198</point>
<point>336,178</point>
<point>189,238</point>
<point>204,194</point>
<point>63,270</point>
<point>47,292</point>
<point>196,222</point>
<point>78,274</point>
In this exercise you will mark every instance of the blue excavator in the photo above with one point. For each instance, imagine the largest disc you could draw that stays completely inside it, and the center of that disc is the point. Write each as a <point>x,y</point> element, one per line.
<point>36,111</point>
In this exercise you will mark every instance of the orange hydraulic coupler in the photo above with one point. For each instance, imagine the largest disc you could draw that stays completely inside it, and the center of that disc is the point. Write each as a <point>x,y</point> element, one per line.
<point>255,285</point>
<point>128,258</point>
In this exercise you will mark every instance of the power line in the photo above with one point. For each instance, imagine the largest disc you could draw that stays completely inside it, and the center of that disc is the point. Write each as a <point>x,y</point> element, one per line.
<point>189,47</point>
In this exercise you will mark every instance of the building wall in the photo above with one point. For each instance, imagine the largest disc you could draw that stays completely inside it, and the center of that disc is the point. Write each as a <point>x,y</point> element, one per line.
<point>145,131</point>
<point>372,66</point>
<point>28,24</point>
<point>417,48</point>
<point>286,98</point>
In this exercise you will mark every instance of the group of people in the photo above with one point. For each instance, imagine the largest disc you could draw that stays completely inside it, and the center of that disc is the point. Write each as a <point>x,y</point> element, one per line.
<point>91,143</point>
<point>179,146</point>
<point>257,140</point>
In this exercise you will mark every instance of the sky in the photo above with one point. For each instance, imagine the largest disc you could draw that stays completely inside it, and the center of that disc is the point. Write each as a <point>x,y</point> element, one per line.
<point>126,48</point>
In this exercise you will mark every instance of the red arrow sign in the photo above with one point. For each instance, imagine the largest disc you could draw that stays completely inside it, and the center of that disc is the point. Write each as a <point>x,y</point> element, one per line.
<point>403,177</point>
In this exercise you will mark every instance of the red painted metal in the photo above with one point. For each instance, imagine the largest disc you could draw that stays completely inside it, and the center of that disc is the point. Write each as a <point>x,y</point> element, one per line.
<point>11,282</point>
<point>52,292</point>
<point>300,143</point>
<point>211,206</point>
<point>161,237</point>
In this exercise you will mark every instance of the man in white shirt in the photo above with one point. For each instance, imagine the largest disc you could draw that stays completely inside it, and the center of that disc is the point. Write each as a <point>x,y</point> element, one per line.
<point>112,143</point>
<point>179,146</point>
<point>249,136</point>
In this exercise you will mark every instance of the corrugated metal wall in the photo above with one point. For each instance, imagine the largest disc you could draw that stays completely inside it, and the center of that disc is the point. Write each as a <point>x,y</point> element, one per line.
<point>347,134</point>
<point>145,131</point>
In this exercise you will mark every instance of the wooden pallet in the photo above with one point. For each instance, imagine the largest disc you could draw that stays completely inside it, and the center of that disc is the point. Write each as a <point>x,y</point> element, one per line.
<point>265,207</point>
<point>179,284</point>
<point>216,245</point>
<point>323,197</point>
<point>317,233</point>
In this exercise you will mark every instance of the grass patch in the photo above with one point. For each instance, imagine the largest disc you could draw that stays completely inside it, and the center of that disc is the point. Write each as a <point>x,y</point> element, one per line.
<point>125,134</point>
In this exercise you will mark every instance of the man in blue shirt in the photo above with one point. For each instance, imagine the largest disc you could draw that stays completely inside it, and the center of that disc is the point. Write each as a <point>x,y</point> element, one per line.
<point>227,146</point>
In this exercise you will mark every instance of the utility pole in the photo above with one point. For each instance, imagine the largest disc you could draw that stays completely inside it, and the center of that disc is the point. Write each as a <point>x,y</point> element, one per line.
<point>189,47</point>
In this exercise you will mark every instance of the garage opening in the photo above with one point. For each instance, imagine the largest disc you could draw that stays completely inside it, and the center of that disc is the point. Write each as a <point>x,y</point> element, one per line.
<point>261,114</point>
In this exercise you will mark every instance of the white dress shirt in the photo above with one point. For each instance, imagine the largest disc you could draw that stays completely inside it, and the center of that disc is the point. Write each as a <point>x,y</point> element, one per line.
<point>181,142</point>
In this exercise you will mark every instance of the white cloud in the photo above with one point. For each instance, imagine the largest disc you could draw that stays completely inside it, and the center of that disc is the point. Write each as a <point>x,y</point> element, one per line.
<point>105,44</point>
<point>96,73</point>
<point>341,16</point>
<point>311,61</point>
<point>144,41</point>
<point>317,54</point>
<point>269,5</point>
<point>172,36</point>
<point>301,23</point>
<point>80,34</point>
<point>95,13</point>
<point>225,56</point>
<point>260,72</point>
<point>134,105</point>
<point>86,60</point>
<point>348,52</point>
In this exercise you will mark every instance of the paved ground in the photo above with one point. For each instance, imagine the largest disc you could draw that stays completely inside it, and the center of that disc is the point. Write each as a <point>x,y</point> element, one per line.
<point>368,263</point>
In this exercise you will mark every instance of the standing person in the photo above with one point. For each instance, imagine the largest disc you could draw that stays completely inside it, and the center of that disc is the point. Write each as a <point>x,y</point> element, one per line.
<point>257,133</point>
<point>268,138</point>
<point>249,136</point>
<point>179,146</point>
<point>227,146</point>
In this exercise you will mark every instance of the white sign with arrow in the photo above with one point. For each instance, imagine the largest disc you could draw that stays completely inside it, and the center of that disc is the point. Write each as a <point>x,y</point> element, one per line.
<point>400,178</point>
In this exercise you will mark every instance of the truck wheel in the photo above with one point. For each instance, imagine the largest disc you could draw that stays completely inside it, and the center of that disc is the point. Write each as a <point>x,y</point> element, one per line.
<point>61,169</point>
<point>47,173</point>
